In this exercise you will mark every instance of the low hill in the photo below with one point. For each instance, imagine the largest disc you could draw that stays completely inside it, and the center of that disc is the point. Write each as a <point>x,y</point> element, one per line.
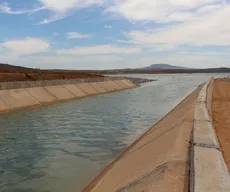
<point>161,67</point>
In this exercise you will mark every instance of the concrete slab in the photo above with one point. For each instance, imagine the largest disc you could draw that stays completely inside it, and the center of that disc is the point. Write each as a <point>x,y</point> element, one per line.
<point>60,92</point>
<point>41,94</point>
<point>17,98</point>
<point>211,174</point>
<point>209,96</point>
<point>121,84</point>
<point>167,177</point>
<point>98,87</point>
<point>203,94</point>
<point>201,112</point>
<point>75,90</point>
<point>129,83</point>
<point>89,90</point>
<point>114,86</point>
<point>107,86</point>
<point>3,106</point>
<point>204,134</point>
<point>117,82</point>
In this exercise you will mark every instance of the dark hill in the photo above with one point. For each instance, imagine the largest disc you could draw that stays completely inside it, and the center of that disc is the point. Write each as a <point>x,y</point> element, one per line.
<point>161,67</point>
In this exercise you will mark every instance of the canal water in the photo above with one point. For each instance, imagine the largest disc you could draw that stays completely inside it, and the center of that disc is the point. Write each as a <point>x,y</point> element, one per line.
<point>62,147</point>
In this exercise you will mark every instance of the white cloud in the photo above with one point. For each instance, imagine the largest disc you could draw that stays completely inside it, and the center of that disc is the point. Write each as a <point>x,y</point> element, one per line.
<point>53,18</point>
<point>108,27</point>
<point>59,8</point>
<point>158,11</point>
<point>62,8</point>
<point>138,10</point>
<point>26,46</point>
<point>206,29</point>
<point>207,53</point>
<point>76,35</point>
<point>150,46</point>
<point>4,8</point>
<point>100,49</point>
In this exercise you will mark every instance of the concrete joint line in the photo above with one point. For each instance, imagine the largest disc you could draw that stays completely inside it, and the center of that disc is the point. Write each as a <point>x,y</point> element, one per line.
<point>204,145</point>
<point>8,105</point>
<point>63,86</point>
<point>32,96</point>
<point>195,120</point>
<point>90,84</point>
<point>191,176</point>
<point>50,93</point>
<point>201,102</point>
<point>81,88</point>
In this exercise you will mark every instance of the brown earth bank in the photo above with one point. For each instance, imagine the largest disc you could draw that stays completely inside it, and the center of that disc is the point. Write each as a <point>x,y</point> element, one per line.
<point>221,115</point>
<point>158,160</point>
<point>23,76</point>
<point>10,73</point>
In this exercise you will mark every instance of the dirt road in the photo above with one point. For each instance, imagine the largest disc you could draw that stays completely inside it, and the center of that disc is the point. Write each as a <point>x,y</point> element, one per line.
<point>221,115</point>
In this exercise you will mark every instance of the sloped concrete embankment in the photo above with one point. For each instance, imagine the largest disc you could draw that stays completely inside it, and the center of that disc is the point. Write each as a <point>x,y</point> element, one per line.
<point>157,161</point>
<point>208,171</point>
<point>180,153</point>
<point>14,99</point>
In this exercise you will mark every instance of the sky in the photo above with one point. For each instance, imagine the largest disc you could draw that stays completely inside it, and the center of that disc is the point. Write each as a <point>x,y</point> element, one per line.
<point>111,34</point>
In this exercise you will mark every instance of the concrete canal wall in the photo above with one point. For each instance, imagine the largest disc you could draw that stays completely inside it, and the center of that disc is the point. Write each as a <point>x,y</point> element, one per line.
<point>180,153</point>
<point>208,170</point>
<point>28,94</point>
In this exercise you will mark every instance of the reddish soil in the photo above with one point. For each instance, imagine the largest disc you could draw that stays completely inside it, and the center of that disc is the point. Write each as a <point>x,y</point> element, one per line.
<point>7,77</point>
<point>16,73</point>
<point>221,115</point>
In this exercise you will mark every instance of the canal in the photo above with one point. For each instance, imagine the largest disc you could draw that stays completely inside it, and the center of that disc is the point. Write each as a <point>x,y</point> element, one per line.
<point>62,147</point>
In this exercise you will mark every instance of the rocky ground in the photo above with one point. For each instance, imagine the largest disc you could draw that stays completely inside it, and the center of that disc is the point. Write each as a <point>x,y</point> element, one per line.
<point>139,81</point>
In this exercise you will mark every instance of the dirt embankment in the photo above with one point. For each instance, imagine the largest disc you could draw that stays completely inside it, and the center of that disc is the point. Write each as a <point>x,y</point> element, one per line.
<point>36,76</point>
<point>221,115</point>
<point>16,73</point>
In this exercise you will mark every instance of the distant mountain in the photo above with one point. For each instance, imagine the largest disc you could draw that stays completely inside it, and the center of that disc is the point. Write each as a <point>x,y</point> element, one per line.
<point>161,67</point>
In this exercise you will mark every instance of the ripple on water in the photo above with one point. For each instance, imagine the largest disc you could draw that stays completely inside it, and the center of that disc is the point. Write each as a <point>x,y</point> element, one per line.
<point>63,146</point>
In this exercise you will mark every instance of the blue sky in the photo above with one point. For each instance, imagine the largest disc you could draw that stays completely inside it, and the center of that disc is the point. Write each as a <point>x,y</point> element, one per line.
<point>107,34</point>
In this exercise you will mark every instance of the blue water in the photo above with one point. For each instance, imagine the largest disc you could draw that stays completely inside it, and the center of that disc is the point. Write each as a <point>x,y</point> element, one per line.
<point>62,147</point>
